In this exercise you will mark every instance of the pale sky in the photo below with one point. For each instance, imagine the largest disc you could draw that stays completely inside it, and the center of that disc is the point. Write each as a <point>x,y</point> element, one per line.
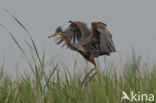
<point>131,22</point>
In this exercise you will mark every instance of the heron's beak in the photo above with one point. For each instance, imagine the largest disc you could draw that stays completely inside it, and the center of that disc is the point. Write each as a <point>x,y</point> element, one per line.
<point>54,35</point>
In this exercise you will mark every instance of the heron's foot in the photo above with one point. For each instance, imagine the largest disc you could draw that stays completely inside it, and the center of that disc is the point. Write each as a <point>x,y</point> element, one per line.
<point>97,69</point>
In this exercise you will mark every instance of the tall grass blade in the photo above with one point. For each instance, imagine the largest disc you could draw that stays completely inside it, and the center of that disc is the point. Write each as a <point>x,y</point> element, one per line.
<point>34,46</point>
<point>16,20</point>
<point>19,46</point>
<point>29,45</point>
<point>48,79</point>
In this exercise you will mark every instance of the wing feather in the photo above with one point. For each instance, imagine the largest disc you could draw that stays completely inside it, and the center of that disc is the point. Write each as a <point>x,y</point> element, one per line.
<point>105,38</point>
<point>106,41</point>
<point>72,32</point>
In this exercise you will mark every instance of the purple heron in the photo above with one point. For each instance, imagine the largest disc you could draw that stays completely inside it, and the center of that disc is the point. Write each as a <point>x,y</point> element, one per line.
<point>90,43</point>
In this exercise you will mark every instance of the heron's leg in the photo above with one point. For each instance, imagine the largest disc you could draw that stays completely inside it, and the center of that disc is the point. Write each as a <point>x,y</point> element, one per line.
<point>91,59</point>
<point>86,76</point>
<point>97,70</point>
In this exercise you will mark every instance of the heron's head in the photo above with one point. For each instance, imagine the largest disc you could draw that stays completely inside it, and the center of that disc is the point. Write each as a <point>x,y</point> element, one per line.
<point>58,33</point>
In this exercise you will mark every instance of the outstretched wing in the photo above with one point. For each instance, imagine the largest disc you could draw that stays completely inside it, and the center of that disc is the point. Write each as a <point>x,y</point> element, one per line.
<point>100,32</point>
<point>72,32</point>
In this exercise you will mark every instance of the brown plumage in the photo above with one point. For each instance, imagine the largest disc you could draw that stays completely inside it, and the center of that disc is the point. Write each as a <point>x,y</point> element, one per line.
<point>90,43</point>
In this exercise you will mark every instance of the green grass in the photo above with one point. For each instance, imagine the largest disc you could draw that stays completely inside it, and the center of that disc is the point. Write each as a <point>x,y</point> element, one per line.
<point>106,87</point>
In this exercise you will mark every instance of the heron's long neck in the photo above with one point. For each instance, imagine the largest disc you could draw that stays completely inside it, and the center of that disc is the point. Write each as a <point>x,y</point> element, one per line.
<point>69,44</point>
